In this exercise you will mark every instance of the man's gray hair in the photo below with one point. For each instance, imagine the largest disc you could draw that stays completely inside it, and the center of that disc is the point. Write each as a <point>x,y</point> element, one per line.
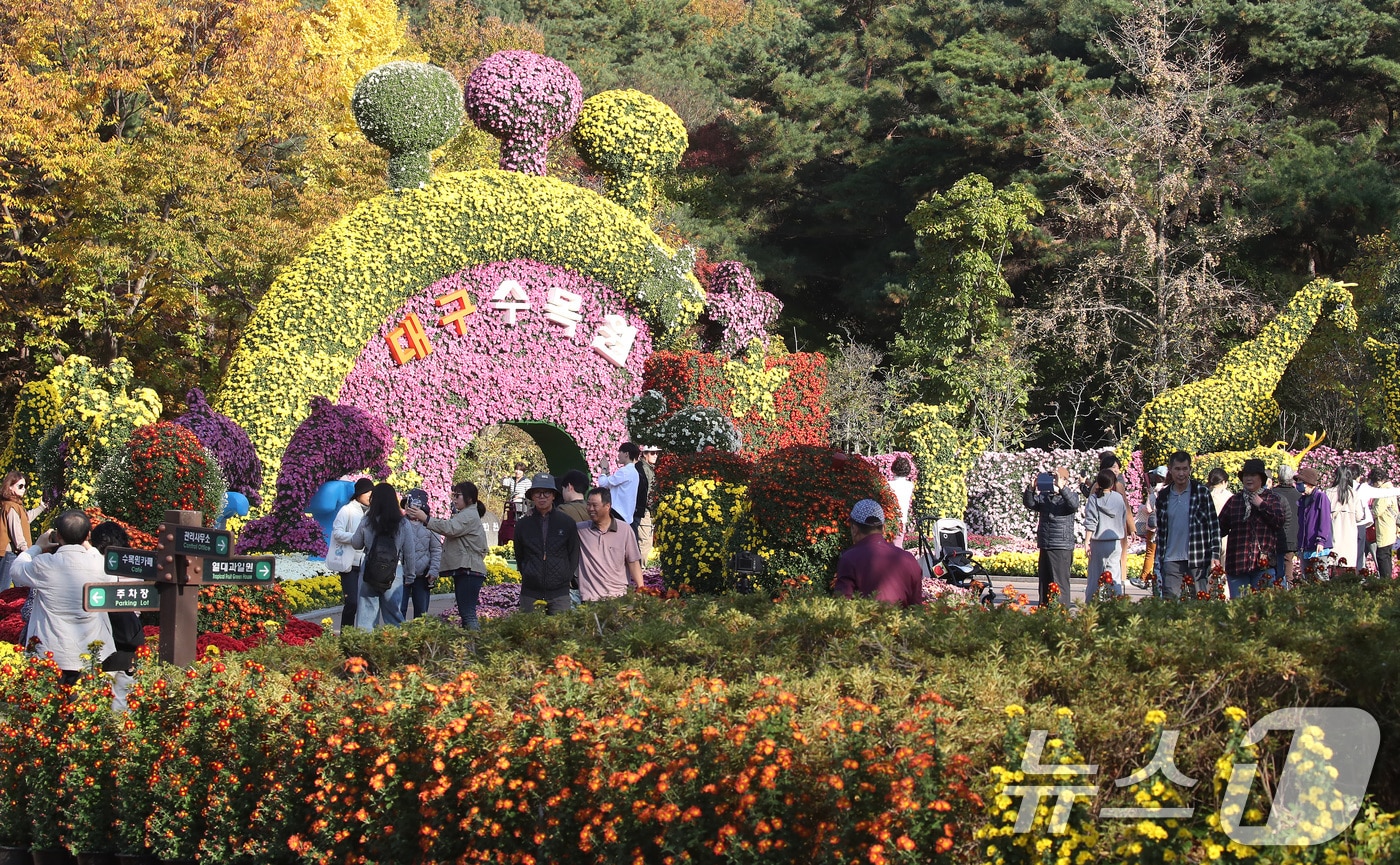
<point>1286,473</point>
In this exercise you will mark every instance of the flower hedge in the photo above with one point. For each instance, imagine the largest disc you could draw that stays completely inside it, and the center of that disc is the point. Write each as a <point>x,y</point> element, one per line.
<point>737,312</point>
<point>630,138</point>
<point>36,412</point>
<point>730,468</point>
<point>800,500</point>
<point>1386,358</point>
<point>526,100</point>
<point>234,762</point>
<point>695,529</point>
<point>230,445</point>
<point>495,372</point>
<point>322,311</point>
<point>161,467</point>
<point>693,429</point>
<point>776,401</point>
<point>1233,409</point>
<point>333,441</point>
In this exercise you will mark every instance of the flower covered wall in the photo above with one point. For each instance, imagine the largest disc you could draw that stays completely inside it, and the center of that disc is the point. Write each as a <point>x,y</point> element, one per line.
<point>539,354</point>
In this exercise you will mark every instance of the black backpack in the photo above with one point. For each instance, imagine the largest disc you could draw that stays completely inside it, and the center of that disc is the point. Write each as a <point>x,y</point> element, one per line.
<point>381,564</point>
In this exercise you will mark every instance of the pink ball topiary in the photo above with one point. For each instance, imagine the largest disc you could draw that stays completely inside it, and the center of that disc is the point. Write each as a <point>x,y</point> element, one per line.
<point>526,100</point>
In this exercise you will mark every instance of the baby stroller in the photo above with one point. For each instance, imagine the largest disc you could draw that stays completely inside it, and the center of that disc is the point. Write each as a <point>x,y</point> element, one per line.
<point>944,550</point>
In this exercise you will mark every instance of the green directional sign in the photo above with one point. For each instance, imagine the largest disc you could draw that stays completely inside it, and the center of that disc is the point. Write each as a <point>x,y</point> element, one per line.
<point>123,562</point>
<point>239,569</point>
<point>196,541</point>
<point>120,597</point>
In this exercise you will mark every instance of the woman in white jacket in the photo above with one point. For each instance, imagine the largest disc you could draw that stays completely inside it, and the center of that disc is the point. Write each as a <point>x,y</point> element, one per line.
<point>343,558</point>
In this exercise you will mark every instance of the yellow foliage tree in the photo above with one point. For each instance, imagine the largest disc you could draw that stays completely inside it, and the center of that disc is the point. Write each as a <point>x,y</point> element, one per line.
<point>160,161</point>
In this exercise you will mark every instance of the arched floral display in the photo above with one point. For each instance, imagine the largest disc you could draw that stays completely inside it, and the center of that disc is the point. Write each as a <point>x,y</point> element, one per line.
<point>553,346</point>
<point>322,311</point>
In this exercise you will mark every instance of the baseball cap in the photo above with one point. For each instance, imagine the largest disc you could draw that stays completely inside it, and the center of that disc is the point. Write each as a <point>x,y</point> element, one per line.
<point>542,481</point>
<point>868,512</point>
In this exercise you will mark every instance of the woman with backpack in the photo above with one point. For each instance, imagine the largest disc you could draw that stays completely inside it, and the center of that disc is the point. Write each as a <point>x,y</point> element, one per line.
<point>390,552</point>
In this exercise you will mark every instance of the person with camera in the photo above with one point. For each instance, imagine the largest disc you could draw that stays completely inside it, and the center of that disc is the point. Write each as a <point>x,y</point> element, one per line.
<point>55,573</point>
<point>1055,500</point>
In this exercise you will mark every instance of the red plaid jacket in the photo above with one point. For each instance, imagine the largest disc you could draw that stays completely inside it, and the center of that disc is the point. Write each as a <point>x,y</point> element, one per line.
<point>1253,532</point>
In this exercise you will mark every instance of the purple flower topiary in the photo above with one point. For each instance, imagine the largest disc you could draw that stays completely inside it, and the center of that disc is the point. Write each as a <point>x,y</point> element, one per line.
<point>333,441</point>
<point>526,100</point>
<point>226,440</point>
<point>738,310</point>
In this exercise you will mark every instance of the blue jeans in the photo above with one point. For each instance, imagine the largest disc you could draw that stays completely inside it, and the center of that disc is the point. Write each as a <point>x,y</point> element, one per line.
<point>466,586</point>
<point>421,592</point>
<point>373,603</point>
<point>5,570</point>
<point>1255,580</point>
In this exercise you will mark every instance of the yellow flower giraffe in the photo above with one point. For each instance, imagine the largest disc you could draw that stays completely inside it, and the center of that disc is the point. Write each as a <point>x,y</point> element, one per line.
<point>1233,409</point>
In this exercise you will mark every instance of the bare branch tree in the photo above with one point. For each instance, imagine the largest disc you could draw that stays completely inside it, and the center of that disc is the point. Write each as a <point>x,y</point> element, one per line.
<point>1155,165</point>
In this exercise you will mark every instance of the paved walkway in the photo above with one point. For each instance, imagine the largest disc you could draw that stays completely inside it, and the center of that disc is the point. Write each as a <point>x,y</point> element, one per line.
<point>436,604</point>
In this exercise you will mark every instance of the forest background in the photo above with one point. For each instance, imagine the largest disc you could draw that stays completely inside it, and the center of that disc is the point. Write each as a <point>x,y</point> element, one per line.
<point>1044,211</point>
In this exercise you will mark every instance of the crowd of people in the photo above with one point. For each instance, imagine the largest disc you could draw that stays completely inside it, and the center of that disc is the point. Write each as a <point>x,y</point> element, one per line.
<point>1276,526</point>
<point>573,543</point>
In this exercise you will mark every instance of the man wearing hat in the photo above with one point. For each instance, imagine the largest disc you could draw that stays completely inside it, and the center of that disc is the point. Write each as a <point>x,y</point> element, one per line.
<point>546,549</point>
<point>1252,519</point>
<point>343,558</point>
<point>646,498</point>
<point>873,567</point>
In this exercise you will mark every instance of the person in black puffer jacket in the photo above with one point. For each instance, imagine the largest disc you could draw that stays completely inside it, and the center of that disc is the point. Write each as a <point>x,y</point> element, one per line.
<point>546,549</point>
<point>1054,498</point>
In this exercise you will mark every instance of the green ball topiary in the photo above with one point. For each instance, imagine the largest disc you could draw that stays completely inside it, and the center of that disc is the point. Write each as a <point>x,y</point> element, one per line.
<point>409,109</point>
<point>629,137</point>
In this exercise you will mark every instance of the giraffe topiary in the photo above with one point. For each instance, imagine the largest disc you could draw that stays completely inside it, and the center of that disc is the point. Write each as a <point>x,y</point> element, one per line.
<point>1233,409</point>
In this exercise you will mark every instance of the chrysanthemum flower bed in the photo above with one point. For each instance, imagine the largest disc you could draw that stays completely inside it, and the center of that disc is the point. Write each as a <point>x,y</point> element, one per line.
<point>701,729</point>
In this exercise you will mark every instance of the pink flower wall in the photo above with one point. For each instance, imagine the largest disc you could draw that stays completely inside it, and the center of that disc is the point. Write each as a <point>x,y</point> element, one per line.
<point>496,373</point>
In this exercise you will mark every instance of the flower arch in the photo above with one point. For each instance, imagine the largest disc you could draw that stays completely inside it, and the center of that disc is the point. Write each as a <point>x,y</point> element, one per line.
<point>533,357</point>
<point>313,325</point>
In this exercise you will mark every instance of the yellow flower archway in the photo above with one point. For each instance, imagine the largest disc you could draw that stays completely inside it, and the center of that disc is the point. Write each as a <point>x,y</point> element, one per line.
<point>323,309</point>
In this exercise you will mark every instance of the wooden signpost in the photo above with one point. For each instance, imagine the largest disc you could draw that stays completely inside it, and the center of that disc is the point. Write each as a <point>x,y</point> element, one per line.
<point>188,556</point>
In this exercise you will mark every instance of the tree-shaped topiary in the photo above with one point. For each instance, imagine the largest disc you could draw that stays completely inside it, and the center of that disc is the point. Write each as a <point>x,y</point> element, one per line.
<point>229,444</point>
<point>162,467</point>
<point>526,100</point>
<point>408,109</point>
<point>629,138</point>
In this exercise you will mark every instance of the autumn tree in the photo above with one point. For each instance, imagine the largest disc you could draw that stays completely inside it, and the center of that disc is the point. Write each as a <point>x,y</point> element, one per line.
<point>159,162</point>
<point>1155,166</point>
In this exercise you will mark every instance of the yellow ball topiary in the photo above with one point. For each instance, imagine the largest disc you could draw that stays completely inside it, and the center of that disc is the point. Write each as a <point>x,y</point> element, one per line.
<point>629,138</point>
